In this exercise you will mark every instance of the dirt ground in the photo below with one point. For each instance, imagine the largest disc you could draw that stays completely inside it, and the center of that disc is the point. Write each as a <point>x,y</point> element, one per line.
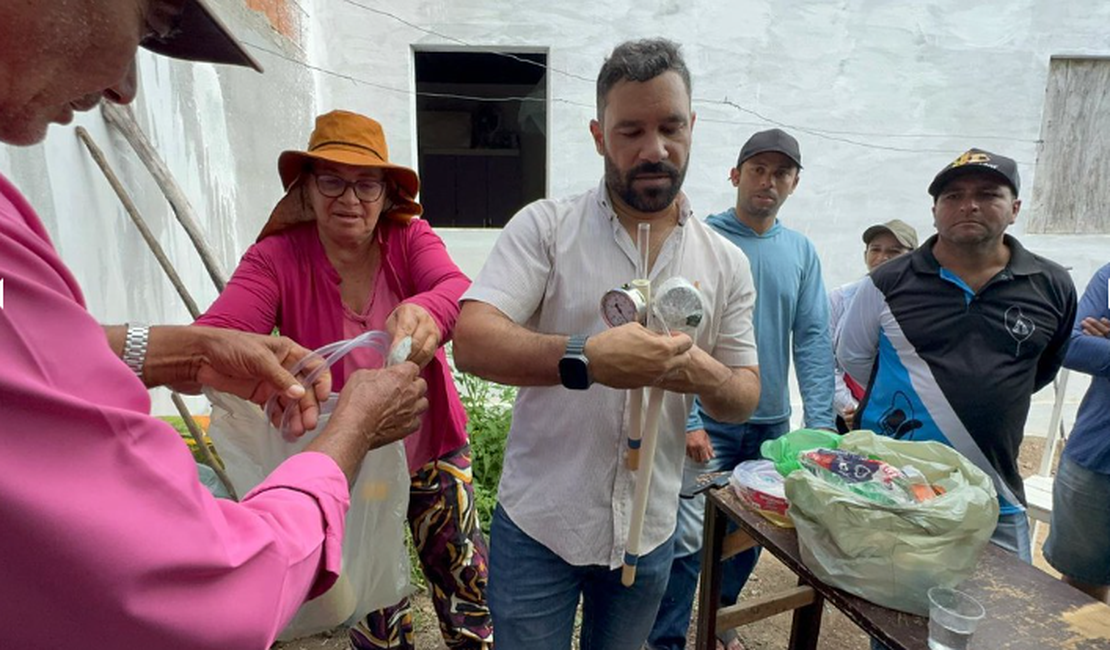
<point>837,632</point>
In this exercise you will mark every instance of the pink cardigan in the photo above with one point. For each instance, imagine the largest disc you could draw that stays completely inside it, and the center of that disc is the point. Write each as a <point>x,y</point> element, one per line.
<point>286,280</point>
<point>106,534</point>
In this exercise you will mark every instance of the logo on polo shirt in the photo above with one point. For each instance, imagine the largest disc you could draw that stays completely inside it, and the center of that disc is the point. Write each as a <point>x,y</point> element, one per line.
<point>1020,327</point>
<point>899,419</point>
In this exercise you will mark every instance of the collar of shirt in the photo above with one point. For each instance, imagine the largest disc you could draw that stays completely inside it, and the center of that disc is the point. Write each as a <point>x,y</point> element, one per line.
<point>666,250</point>
<point>1022,262</point>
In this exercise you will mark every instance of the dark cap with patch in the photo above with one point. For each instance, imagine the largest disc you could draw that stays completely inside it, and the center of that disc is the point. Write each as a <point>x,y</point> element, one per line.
<point>977,160</point>
<point>200,36</point>
<point>774,140</point>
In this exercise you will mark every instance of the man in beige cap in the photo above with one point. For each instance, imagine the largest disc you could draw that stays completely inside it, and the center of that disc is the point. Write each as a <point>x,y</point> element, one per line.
<point>108,536</point>
<point>883,241</point>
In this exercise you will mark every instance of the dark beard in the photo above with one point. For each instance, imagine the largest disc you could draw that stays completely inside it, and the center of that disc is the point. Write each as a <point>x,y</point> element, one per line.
<point>651,199</point>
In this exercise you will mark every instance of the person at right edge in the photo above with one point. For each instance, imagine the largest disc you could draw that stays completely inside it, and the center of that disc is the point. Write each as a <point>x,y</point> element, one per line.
<point>791,319</point>
<point>1076,545</point>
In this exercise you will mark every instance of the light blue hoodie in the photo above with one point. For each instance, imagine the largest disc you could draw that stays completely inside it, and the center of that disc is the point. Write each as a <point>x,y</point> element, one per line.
<point>790,300</point>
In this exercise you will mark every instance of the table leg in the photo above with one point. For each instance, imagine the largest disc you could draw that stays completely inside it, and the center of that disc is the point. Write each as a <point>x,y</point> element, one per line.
<point>807,624</point>
<point>709,598</point>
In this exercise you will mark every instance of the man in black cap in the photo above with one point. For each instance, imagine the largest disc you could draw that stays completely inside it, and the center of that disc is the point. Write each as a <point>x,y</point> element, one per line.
<point>791,320</point>
<point>106,533</point>
<point>957,336</point>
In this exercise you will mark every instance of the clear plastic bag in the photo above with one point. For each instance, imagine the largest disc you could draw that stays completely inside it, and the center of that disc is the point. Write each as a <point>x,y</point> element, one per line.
<point>761,488</point>
<point>893,554</point>
<point>375,569</point>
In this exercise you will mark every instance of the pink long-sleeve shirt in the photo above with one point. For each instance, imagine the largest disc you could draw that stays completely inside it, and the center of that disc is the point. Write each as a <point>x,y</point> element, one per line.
<point>107,537</point>
<point>287,281</point>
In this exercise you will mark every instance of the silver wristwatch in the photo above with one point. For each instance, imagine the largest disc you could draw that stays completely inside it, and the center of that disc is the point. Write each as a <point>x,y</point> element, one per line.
<point>134,347</point>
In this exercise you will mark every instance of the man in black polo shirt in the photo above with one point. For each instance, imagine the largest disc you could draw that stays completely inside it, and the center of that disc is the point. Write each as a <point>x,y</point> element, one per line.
<point>956,337</point>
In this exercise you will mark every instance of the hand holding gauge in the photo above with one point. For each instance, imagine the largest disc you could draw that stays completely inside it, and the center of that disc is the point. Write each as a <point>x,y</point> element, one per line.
<point>678,307</point>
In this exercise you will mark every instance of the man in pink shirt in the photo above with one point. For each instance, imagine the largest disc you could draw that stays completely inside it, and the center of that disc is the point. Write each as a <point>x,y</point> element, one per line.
<point>107,537</point>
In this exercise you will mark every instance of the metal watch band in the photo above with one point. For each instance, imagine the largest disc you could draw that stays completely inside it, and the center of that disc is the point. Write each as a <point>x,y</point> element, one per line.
<point>134,347</point>
<point>576,344</point>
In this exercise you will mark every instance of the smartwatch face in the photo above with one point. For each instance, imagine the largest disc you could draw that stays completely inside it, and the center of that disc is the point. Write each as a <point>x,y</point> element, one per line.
<point>573,372</point>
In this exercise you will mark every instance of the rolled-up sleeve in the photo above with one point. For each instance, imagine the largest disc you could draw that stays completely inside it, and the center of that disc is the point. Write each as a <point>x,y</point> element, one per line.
<point>516,272</point>
<point>735,344</point>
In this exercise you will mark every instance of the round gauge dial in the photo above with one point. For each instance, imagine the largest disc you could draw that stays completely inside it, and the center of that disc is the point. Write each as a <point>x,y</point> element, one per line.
<point>623,305</point>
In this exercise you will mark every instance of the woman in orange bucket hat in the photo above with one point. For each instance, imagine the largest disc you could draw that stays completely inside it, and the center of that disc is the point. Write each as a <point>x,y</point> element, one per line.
<point>343,253</point>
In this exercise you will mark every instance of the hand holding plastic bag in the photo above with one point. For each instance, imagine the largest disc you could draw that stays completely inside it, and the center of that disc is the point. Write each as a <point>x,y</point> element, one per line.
<point>376,570</point>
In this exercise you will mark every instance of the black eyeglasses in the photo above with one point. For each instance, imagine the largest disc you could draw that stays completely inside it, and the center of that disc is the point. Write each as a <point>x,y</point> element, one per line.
<point>334,187</point>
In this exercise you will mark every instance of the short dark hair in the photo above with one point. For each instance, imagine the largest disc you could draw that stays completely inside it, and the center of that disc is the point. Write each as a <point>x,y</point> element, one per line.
<point>641,60</point>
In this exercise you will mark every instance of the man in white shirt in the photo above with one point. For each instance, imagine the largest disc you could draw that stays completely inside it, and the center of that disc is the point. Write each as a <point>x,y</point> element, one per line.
<point>531,319</point>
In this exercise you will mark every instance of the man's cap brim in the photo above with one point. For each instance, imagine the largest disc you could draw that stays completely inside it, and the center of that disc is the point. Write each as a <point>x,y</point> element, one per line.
<point>201,36</point>
<point>947,175</point>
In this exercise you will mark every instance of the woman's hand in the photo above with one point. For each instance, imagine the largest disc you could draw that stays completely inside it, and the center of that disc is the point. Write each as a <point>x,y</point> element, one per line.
<point>413,320</point>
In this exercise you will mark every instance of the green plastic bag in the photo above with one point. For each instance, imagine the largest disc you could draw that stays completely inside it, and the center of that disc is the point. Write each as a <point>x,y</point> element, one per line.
<point>783,451</point>
<point>892,555</point>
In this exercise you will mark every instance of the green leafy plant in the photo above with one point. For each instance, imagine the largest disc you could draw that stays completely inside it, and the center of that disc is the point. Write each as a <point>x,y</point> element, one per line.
<point>489,410</point>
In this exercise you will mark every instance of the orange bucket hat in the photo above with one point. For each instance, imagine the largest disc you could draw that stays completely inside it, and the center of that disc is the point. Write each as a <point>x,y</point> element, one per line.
<point>349,139</point>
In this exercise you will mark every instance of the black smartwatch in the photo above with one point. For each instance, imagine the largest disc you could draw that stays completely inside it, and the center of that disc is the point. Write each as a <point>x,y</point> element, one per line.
<point>574,367</point>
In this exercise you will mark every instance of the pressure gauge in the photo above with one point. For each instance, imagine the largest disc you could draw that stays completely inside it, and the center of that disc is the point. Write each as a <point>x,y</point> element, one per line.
<point>678,306</point>
<point>622,305</point>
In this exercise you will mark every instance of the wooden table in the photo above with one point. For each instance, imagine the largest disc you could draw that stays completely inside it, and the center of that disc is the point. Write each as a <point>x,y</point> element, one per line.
<point>1027,609</point>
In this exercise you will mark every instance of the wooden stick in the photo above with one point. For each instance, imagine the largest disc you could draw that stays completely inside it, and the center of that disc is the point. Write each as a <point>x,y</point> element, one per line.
<point>198,436</point>
<point>643,484</point>
<point>167,267</point>
<point>757,609</point>
<point>140,223</point>
<point>124,121</point>
<point>737,542</point>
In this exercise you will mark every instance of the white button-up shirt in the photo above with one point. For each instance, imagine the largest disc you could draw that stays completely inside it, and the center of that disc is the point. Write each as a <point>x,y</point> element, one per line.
<point>565,482</point>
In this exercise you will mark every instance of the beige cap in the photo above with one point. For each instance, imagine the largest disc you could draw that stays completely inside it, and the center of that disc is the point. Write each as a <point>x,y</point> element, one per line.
<point>902,231</point>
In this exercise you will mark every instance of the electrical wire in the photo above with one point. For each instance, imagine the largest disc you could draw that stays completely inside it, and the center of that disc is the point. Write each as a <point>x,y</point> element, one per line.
<point>826,134</point>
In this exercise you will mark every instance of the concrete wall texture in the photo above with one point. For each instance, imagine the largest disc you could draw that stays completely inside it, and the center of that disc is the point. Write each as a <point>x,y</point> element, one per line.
<point>881,95</point>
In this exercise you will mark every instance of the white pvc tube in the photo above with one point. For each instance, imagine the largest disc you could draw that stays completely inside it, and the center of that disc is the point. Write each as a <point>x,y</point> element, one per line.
<point>643,484</point>
<point>635,426</point>
<point>643,245</point>
<point>636,395</point>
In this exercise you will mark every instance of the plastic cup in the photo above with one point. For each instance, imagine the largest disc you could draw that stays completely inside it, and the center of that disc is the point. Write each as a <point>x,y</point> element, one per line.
<point>953,617</point>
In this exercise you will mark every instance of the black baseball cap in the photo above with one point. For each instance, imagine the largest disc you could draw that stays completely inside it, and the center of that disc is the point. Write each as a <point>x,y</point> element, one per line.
<point>977,160</point>
<point>775,140</point>
<point>201,36</point>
